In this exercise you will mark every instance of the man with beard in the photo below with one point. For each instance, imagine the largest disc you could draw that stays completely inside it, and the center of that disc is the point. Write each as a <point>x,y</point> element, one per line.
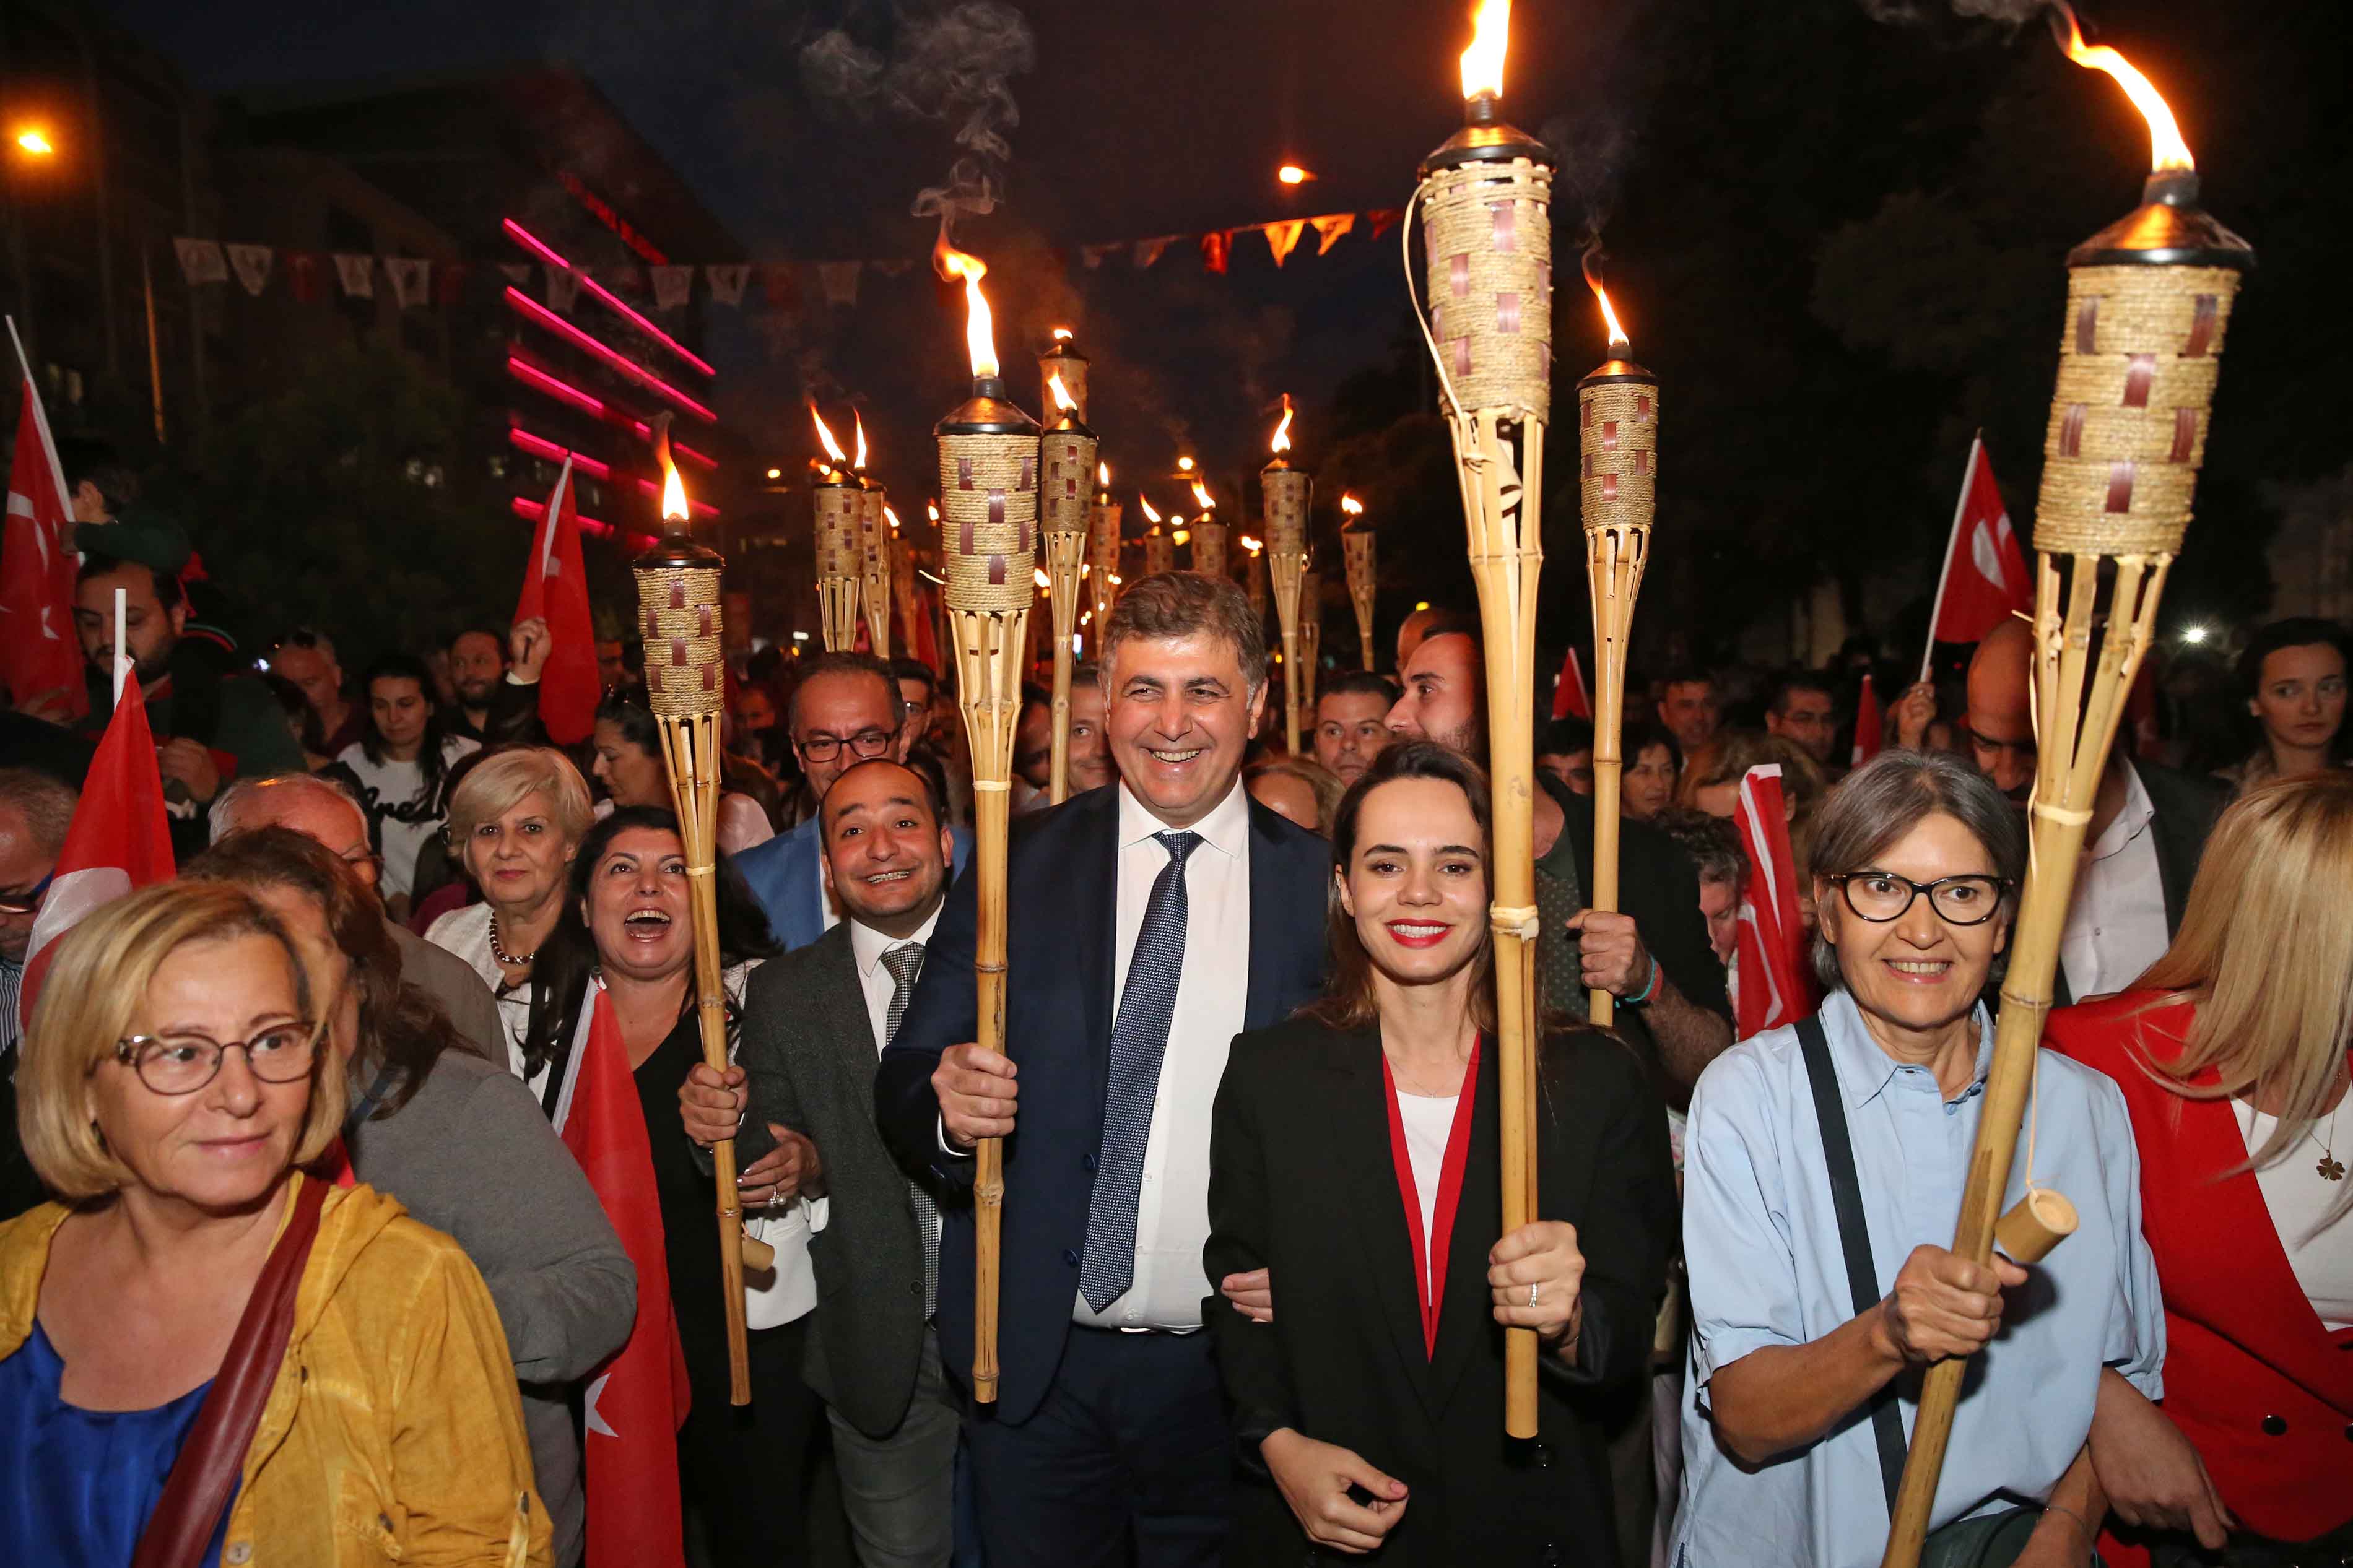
<point>210,726</point>
<point>1352,722</point>
<point>815,1023</point>
<point>497,681</point>
<point>2141,848</point>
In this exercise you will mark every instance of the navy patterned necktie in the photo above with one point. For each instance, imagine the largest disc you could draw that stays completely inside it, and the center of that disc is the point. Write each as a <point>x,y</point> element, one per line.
<point>905,961</point>
<point>1139,1040</point>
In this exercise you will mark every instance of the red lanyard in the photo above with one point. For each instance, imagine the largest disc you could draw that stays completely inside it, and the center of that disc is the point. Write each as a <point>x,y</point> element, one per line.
<point>1430,1252</point>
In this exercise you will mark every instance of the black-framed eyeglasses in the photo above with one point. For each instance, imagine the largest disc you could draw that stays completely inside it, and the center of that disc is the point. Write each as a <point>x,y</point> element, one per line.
<point>183,1064</point>
<point>824,748</point>
<point>28,902</point>
<point>1883,896</point>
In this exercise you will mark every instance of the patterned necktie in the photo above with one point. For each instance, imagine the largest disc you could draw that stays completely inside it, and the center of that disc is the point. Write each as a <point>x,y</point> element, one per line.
<point>1139,1038</point>
<point>905,961</point>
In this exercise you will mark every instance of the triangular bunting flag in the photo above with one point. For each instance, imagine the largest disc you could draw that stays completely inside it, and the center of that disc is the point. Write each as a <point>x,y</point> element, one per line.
<point>837,280</point>
<point>563,288</point>
<point>1091,257</point>
<point>780,281</point>
<point>672,286</point>
<point>1329,229</point>
<point>897,266</point>
<point>303,274</point>
<point>1216,247</point>
<point>412,278</point>
<point>727,279</point>
<point>200,260</point>
<point>358,275</point>
<point>252,263</point>
<point>1282,237</point>
<point>449,281</point>
<point>1147,251</point>
<point>1384,220</point>
<point>517,272</point>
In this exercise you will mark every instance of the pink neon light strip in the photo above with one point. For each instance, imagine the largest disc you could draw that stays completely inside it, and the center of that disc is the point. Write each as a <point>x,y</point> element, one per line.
<point>540,446</point>
<point>524,237</point>
<point>524,371</point>
<point>527,306</point>
<point>534,511</point>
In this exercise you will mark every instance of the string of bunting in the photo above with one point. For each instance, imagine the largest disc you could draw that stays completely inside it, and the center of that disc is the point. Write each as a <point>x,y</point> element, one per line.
<point>413,281</point>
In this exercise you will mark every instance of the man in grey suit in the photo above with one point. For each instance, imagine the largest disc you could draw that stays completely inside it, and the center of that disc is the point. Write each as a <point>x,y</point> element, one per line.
<point>815,1023</point>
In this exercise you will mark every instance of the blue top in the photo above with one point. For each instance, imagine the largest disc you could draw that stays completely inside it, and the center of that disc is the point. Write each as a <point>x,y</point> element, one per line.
<point>1762,1240</point>
<point>78,1486</point>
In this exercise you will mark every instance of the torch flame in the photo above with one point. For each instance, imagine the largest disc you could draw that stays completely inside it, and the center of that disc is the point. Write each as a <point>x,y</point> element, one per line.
<point>1102,475</point>
<point>1063,334</point>
<point>891,517</point>
<point>1282,442</point>
<point>1351,505</point>
<point>1592,266</point>
<point>2167,150</point>
<point>674,493</point>
<point>1483,62</point>
<point>979,327</point>
<point>860,464</point>
<point>1207,501</point>
<point>1062,398</point>
<point>1149,515</point>
<point>1038,574</point>
<point>1252,545</point>
<point>832,446</point>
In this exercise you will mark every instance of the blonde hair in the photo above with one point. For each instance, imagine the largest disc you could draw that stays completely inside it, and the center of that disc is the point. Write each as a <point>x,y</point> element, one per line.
<point>2266,953</point>
<point>95,989</point>
<point>504,780</point>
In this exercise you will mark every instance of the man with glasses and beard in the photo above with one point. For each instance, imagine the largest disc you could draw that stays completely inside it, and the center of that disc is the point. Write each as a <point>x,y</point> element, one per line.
<point>496,677</point>
<point>847,710</point>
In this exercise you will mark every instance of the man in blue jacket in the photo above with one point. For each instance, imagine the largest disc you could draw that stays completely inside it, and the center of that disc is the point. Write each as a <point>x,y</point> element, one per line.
<point>1150,922</point>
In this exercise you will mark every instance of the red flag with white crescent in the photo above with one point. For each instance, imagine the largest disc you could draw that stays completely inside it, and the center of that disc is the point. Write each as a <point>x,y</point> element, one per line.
<point>40,656</point>
<point>636,1400</point>
<point>1568,695</point>
<point>1775,984</point>
<point>119,838</point>
<point>555,588</point>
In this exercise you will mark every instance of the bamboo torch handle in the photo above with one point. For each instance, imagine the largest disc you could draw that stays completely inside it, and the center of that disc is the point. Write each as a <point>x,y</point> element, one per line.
<point>990,807</point>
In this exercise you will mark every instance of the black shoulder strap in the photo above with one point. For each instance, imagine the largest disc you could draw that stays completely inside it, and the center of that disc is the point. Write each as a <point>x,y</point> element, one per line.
<point>1854,1235</point>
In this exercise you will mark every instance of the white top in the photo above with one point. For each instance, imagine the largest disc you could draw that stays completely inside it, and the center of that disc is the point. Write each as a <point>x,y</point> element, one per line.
<point>466,931</point>
<point>404,814</point>
<point>1428,1122</point>
<point>1172,1212</point>
<point>866,947</point>
<point>2116,923</point>
<point>2320,1250</point>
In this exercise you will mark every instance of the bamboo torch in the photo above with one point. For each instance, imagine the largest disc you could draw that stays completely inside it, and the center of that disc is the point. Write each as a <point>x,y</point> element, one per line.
<point>1103,548</point>
<point>1618,442</point>
<point>1254,575</point>
<point>874,551</point>
<point>1209,535</point>
<point>838,502</point>
<point>1485,199</point>
<point>989,490</point>
<point>1357,555</point>
<point>679,609</point>
<point>902,579</point>
<point>1061,358</point>
<point>1310,642</point>
<point>2148,300</point>
<point>1286,491</point>
<point>1067,456</point>
<point>1160,548</point>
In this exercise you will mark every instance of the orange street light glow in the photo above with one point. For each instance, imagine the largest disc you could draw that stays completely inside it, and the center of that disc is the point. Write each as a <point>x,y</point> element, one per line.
<point>1483,62</point>
<point>776,473</point>
<point>1293,174</point>
<point>1063,334</point>
<point>980,326</point>
<point>2167,150</point>
<point>31,139</point>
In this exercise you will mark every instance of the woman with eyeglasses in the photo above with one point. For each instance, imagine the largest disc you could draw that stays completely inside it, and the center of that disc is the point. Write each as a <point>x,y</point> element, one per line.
<point>207,1354</point>
<point>630,768</point>
<point>1823,1169</point>
<point>401,761</point>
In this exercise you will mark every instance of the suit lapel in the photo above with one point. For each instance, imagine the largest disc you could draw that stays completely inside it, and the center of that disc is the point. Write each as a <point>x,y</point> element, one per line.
<point>803,884</point>
<point>839,1002</point>
<point>1362,1121</point>
<point>1466,1319</point>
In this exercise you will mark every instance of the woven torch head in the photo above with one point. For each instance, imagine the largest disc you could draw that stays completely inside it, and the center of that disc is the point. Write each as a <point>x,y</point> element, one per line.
<point>680,617</point>
<point>988,503</point>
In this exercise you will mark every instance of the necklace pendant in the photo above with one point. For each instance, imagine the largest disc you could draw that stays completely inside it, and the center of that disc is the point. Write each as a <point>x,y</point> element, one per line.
<point>2331,1169</point>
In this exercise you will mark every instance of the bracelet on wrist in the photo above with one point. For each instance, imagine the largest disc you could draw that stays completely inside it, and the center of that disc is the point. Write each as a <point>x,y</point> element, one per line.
<point>1650,987</point>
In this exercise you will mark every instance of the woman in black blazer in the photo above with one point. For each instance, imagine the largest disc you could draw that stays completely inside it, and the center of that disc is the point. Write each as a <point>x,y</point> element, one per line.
<point>1340,1138</point>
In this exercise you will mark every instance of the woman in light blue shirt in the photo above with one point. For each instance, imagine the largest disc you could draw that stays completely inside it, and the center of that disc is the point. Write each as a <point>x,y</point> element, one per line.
<point>1801,1396</point>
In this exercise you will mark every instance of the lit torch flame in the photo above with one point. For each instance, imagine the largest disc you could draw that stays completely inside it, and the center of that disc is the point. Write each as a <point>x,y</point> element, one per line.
<point>1043,580</point>
<point>1062,398</point>
<point>674,494</point>
<point>2167,150</point>
<point>1149,515</point>
<point>832,446</point>
<point>860,423</point>
<point>1618,339</point>
<point>1351,505</point>
<point>1102,475</point>
<point>891,517</point>
<point>1282,442</point>
<point>933,507</point>
<point>1483,62</point>
<point>1063,334</point>
<point>1252,545</point>
<point>1208,503</point>
<point>979,327</point>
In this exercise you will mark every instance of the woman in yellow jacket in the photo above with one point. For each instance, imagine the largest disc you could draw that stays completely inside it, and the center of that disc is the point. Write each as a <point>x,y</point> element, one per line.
<point>207,1357</point>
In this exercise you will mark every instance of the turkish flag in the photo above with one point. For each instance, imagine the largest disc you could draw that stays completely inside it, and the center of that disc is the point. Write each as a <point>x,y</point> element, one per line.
<point>1775,984</point>
<point>40,656</point>
<point>1870,729</point>
<point>1568,698</point>
<point>555,588</point>
<point>119,838</point>
<point>637,1399</point>
<point>1985,578</point>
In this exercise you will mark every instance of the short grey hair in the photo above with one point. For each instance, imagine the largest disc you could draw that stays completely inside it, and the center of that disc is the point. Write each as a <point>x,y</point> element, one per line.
<point>1169,606</point>
<point>45,801</point>
<point>238,797</point>
<point>1890,795</point>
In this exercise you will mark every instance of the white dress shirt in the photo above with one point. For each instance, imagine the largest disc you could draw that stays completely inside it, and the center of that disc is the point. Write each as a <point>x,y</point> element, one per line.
<point>1172,1213</point>
<point>866,947</point>
<point>2116,923</point>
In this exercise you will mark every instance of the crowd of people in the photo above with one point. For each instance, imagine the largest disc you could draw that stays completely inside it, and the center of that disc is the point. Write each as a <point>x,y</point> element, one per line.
<point>303,1271</point>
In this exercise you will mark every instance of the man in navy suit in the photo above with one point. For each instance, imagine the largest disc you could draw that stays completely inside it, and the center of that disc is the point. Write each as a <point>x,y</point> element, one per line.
<point>846,710</point>
<point>1150,921</point>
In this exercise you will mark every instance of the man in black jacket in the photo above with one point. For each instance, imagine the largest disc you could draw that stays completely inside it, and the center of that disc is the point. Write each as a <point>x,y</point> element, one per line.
<point>815,1023</point>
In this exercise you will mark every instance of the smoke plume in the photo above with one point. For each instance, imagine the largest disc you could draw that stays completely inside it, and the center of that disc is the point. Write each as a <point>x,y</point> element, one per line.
<point>2011,12</point>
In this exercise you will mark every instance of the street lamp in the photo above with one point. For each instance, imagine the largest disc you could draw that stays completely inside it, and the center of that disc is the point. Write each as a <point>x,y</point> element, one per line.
<point>35,143</point>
